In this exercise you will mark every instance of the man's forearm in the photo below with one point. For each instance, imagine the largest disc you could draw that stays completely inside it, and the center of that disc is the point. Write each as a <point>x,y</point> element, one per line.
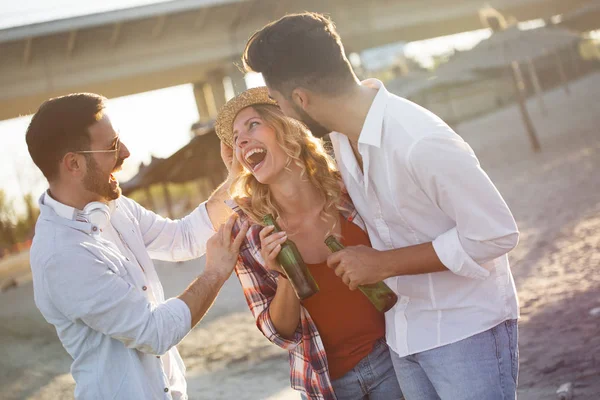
<point>201,293</point>
<point>411,260</point>
<point>218,211</point>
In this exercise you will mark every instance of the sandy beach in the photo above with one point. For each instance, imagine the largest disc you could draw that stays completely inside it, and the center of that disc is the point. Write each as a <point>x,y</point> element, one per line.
<point>555,197</point>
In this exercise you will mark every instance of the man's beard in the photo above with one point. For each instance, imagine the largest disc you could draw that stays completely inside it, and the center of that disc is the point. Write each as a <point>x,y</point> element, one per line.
<point>315,128</point>
<point>95,182</point>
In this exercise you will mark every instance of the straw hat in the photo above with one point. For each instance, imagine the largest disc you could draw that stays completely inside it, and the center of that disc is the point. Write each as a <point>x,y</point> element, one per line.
<point>227,114</point>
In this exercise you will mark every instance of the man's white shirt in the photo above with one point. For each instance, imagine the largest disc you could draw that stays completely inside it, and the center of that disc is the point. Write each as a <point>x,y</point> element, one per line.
<point>103,295</point>
<point>421,182</point>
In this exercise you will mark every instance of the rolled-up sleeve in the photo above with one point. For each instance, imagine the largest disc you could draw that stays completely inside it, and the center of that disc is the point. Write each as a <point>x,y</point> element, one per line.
<point>173,240</point>
<point>448,171</point>
<point>259,295</point>
<point>84,288</point>
<point>265,325</point>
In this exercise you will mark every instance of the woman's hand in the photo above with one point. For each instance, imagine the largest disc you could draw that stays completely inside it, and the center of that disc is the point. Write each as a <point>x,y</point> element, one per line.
<point>284,309</point>
<point>271,246</point>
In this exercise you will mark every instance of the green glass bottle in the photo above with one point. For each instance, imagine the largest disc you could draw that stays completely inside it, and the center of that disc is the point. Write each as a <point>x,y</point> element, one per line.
<point>379,294</point>
<point>293,265</point>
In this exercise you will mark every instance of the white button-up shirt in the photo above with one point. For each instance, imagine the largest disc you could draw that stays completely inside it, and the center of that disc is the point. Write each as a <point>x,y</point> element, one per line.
<point>422,183</point>
<point>101,292</point>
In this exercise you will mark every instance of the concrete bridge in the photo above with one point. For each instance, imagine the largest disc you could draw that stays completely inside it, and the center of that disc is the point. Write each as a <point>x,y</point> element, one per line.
<point>150,47</point>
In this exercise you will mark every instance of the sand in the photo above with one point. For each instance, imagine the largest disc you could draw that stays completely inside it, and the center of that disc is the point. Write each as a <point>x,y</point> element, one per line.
<point>555,197</point>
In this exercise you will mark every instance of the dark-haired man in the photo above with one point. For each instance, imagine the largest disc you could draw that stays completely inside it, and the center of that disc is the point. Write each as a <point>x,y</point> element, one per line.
<point>93,276</point>
<point>439,228</point>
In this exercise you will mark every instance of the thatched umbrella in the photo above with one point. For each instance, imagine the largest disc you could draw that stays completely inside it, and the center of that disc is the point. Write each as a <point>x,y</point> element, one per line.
<point>512,44</point>
<point>411,84</point>
<point>199,158</point>
<point>510,47</point>
<point>583,19</point>
<point>422,83</point>
<point>145,176</point>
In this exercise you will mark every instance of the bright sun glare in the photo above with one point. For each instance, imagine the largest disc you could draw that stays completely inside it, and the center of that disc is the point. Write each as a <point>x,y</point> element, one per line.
<point>154,123</point>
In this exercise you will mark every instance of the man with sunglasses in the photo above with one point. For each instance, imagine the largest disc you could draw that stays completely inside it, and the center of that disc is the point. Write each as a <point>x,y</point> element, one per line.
<point>91,259</point>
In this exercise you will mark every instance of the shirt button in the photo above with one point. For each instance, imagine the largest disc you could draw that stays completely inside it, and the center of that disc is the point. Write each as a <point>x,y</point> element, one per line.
<point>144,288</point>
<point>166,390</point>
<point>127,258</point>
<point>157,356</point>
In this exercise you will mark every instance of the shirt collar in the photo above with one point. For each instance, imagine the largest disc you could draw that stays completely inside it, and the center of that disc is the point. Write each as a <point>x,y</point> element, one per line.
<point>65,211</point>
<point>62,210</point>
<point>47,213</point>
<point>373,125</point>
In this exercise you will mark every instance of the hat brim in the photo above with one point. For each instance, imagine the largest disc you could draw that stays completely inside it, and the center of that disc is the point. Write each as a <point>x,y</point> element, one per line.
<point>227,114</point>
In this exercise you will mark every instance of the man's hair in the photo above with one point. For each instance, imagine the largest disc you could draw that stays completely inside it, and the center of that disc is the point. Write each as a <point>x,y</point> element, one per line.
<point>60,126</point>
<point>300,50</point>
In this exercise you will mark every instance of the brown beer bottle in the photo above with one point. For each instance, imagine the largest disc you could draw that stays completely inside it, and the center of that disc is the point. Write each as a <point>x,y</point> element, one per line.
<point>379,294</point>
<point>293,265</point>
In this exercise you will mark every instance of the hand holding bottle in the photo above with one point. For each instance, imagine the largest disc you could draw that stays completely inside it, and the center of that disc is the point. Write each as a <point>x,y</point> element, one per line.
<point>271,246</point>
<point>379,294</point>
<point>292,264</point>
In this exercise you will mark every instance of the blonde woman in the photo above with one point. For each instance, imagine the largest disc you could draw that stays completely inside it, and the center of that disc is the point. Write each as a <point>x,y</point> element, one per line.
<point>335,338</point>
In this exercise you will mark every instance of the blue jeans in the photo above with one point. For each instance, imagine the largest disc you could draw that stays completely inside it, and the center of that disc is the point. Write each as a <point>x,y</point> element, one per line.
<point>372,378</point>
<point>484,366</point>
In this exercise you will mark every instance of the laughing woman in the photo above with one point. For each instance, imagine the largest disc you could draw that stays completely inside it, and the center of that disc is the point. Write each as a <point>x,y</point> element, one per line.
<point>335,338</point>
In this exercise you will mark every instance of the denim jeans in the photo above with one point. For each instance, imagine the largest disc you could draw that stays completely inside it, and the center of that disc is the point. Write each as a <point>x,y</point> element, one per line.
<point>372,378</point>
<point>484,366</point>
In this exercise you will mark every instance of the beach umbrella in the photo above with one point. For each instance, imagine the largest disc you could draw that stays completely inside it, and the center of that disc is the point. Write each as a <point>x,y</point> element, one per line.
<point>144,178</point>
<point>508,48</point>
<point>200,158</point>
<point>511,44</point>
<point>415,83</point>
<point>584,19</point>
<point>420,83</point>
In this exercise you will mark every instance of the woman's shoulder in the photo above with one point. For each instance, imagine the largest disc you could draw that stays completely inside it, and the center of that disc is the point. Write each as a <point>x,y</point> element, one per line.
<point>238,205</point>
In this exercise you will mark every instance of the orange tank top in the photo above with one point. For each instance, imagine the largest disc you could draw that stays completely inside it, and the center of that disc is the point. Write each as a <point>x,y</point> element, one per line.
<point>348,323</point>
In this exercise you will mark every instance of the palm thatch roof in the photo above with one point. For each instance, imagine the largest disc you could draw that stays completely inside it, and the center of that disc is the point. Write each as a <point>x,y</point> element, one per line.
<point>508,45</point>
<point>583,19</point>
<point>418,82</point>
<point>199,158</point>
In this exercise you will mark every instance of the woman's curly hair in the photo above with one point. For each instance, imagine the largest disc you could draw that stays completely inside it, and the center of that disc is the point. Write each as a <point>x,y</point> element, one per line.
<point>303,149</point>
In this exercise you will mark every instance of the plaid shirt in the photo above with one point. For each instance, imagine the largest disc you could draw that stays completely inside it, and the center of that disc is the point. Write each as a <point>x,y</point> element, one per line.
<point>308,362</point>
